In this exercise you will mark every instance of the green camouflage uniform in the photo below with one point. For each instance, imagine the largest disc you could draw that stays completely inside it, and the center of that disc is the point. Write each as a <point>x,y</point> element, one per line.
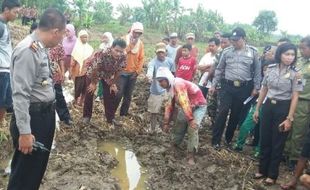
<point>300,125</point>
<point>212,99</point>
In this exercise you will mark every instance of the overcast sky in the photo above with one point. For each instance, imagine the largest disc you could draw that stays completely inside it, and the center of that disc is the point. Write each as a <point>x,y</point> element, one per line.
<point>292,15</point>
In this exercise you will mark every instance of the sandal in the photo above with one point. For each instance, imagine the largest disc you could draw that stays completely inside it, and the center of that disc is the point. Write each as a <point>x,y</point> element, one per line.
<point>269,182</point>
<point>258,176</point>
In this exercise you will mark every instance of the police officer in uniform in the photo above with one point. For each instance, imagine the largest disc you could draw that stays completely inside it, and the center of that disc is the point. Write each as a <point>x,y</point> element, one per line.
<point>239,73</point>
<point>33,99</point>
<point>281,87</point>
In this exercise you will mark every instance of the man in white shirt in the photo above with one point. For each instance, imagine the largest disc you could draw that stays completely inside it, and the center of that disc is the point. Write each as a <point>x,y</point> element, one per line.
<point>206,63</point>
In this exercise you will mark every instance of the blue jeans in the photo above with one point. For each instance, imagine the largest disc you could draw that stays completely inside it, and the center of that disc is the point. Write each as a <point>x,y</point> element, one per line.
<point>181,127</point>
<point>5,90</point>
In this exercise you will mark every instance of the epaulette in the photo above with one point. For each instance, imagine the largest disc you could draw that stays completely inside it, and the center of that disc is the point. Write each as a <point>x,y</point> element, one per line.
<point>227,49</point>
<point>35,46</point>
<point>294,68</point>
<point>253,48</point>
<point>272,65</point>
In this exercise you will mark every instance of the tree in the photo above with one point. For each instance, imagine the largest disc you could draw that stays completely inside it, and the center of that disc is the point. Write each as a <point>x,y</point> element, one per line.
<point>43,4</point>
<point>126,13</point>
<point>266,22</point>
<point>103,11</point>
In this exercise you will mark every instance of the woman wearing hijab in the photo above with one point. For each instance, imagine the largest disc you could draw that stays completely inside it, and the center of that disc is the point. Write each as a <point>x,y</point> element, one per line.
<point>68,44</point>
<point>107,40</point>
<point>81,51</point>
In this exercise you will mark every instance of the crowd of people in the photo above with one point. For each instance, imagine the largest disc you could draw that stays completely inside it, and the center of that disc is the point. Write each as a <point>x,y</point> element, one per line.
<point>266,97</point>
<point>28,14</point>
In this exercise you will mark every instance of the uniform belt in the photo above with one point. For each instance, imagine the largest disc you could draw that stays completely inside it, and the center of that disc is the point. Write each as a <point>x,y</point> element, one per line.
<point>276,101</point>
<point>42,107</point>
<point>237,83</point>
<point>4,67</point>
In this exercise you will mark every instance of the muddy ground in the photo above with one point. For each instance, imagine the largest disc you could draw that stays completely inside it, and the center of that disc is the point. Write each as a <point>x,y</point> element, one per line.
<point>76,163</point>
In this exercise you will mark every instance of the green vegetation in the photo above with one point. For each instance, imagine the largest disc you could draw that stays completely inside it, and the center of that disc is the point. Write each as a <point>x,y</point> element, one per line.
<point>162,17</point>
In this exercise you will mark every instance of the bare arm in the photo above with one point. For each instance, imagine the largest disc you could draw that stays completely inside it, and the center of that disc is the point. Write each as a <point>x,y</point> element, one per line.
<point>261,98</point>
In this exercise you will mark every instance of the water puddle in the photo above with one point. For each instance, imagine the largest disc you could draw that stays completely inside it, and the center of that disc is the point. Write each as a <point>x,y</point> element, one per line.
<point>129,172</point>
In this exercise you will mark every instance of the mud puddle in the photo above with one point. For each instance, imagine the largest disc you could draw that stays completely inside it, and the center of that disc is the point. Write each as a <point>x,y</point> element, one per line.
<point>129,172</point>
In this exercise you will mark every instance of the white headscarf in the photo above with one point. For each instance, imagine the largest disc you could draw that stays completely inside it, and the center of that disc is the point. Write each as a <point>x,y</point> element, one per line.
<point>164,72</point>
<point>82,51</point>
<point>136,27</point>
<point>107,45</point>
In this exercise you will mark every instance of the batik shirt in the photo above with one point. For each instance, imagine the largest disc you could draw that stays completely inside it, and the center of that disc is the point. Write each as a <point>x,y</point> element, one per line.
<point>105,65</point>
<point>56,55</point>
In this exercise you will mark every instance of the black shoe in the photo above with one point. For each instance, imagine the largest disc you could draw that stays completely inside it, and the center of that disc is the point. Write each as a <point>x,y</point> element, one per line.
<point>216,147</point>
<point>228,144</point>
<point>68,122</point>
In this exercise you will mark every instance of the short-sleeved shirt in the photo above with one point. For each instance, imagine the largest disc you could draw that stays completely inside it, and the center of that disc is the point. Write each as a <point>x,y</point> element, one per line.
<point>304,65</point>
<point>186,68</point>
<point>239,65</point>
<point>281,85</point>
<point>194,53</point>
<point>207,60</point>
<point>151,73</point>
<point>172,51</point>
<point>56,55</point>
<point>105,64</point>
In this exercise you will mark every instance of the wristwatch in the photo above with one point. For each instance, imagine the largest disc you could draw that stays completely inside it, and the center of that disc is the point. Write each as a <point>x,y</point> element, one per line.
<point>291,119</point>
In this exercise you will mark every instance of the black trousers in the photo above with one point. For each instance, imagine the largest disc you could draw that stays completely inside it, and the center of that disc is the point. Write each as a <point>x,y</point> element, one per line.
<point>27,171</point>
<point>126,85</point>
<point>231,98</point>
<point>61,104</point>
<point>272,140</point>
<point>204,91</point>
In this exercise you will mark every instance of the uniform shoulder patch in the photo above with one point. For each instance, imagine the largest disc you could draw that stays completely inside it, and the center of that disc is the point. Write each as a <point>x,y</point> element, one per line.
<point>227,50</point>
<point>34,46</point>
<point>272,65</point>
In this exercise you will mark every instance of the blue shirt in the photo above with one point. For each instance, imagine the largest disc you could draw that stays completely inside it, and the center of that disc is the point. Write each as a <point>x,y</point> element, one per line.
<point>156,89</point>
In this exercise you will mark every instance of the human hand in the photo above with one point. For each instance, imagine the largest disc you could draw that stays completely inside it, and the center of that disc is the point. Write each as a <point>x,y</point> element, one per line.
<point>211,90</point>
<point>113,89</point>
<point>254,93</point>
<point>91,88</point>
<point>25,143</point>
<point>193,124</point>
<point>285,126</point>
<point>256,116</point>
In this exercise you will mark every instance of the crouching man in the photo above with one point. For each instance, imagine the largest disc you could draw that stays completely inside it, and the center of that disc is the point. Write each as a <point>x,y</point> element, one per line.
<point>191,105</point>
